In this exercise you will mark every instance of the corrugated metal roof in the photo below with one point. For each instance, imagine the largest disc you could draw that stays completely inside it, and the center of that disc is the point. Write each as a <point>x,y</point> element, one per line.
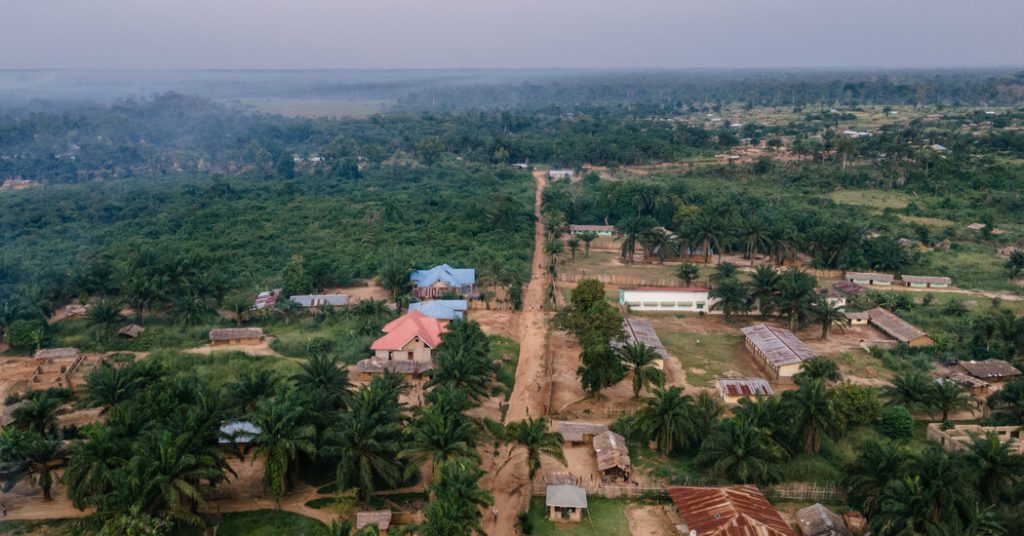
<point>990,368</point>
<point>575,430</point>
<point>816,520</point>
<point>743,387</point>
<point>239,431</point>
<point>874,276</point>
<point>566,496</point>
<point>404,328</point>
<point>848,287</point>
<point>640,330</point>
<point>316,300</point>
<point>780,346</point>
<point>927,279</point>
<point>728,511</point>
<point>452,277</point>
<point>894,326</point>
<point>441,309</point>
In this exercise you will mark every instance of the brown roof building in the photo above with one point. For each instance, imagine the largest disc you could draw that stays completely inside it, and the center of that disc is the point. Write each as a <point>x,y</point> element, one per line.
<point>732,390</point>
<point>780,351</point>
<point>57,353</point>
<point>990,369</point>
<point>899,329</point>
<point>612,454</point>
<point>236,336</point>
<point>579,432</point>
<point>727,511</point>
<point>816,520</point>
<point>380,518</point>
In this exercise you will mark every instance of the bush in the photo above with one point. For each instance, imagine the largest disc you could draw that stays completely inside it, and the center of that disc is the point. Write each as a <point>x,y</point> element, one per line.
<point>525,523</point>
<point>27,335</point>
<point>897,423</point>
<point>857,404</point>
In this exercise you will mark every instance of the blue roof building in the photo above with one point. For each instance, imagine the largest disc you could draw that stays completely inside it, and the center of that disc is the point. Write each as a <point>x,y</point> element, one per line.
<point>441,309</point>
<point>443,280</point>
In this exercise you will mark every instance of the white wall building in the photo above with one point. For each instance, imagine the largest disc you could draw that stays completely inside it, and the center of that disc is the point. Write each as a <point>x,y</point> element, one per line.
<point>687,299</point>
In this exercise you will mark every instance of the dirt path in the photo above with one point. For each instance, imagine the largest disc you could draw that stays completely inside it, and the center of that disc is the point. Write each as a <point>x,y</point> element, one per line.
<point>529,396</point>
<point>295,502</point>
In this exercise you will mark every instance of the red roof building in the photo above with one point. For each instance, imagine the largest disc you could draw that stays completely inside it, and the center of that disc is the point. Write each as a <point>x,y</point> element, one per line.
<point>402,330</point>
<point>728,511</point>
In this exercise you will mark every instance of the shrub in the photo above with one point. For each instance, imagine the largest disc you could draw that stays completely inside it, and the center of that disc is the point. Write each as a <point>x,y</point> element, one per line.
<point>525,523</point>
<point>897,423</point>
<point>857,404</point>
<point>27,335</point>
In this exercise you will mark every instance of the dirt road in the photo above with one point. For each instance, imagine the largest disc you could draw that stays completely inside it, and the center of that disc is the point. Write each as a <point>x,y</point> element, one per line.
<point>530,394</point>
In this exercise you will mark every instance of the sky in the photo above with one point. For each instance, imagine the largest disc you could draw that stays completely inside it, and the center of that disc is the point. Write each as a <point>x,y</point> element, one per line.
<point>397,34</point>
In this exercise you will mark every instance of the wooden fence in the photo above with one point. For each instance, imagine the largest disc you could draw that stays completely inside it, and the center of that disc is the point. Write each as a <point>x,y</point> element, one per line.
<point>611,491</point>
<point>621,279</point>
<point>825,274</point>
<point>806,491</point>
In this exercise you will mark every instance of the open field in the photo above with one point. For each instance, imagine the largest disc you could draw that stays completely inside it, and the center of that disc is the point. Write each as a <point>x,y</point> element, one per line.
<point>705,347</point>
<point>879,199</point>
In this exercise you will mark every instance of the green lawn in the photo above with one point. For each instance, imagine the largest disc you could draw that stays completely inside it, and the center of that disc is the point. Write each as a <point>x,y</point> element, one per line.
<point>505,351</point>
<point>715,355</point>
<point>607,518</point>
<point>879,199</point>
<point>969,268</point>
<point>267,523</point>
<point>222,367</point>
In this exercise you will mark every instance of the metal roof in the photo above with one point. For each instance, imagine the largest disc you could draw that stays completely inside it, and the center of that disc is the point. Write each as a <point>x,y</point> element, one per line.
<point>380,518</point>
<point>874,276</point>
<point>238,432</point>
<point>730,387</point>
<point>452,277</point>
<point>441,309</point>
<point>816,520</point>
<point>375,364</point>
<point>990,369</point>
<point>574,430</point>
<point>316,300</point>
<point>848,287</point>
<point>228,334</point>
<point>640,330</point>
<point>894,326</point>
<point>594,228</point>
<point>927,279</point>
<point>728,511</point>
<point>566,496</point>
<point>780,346</point>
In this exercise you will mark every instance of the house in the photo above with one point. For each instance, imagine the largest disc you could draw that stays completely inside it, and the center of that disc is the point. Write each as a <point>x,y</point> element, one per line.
<point>976,226</point>
<point>131,331</point>
<point>565,503</point>
<point>441,309</point>
<point>848,288</point>
<point>407,346</point>
<point>897,328</point>
<point>869,278</point>
<point>858,318</point>
<point>921,281</point>
<point>443,281</point>
<point>816,520</point>
<point>779,350</point>
<point>990,369</point>
<point>732,390</point>
<point>691,299</point>
<point>236,336</point>
<point>238,432</point>
<point>727,511</point>
<point>976,386</point>
<point>856,134</point>
<point>612,455</point>
<point>855,521</point>
<point>379,518</point>
<point>599,230</point>
<point>311,301</point>
<point>557,174</point>
<point>266,300</point>
<point>960,436</point>
<point>640,330</point>
<point>574,432</point>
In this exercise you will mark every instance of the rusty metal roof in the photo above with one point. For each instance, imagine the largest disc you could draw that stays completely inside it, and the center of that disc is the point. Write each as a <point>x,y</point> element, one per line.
<point>728,511</point>
<point>780,346</point>
<point>730,387</point>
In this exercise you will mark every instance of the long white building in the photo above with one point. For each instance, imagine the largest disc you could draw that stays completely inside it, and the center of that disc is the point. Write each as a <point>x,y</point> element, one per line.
<point>686,299</point>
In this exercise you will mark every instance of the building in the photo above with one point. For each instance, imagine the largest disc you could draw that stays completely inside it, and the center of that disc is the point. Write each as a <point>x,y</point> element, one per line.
<point>312,301</point>
<point>990,369</point>
<point>565,503</point>
<point>976,226</point>
<point>575,432</point>
<point>131,331</point>
<point>236,336</point>
<point>441,309</point>
<point>860,318</point>
<point>238,433</point>
<point>727,511</point>
<point>976,386</point>
<point>869,278</point>
<point>266,300</point>
<point>779,350</point>
<point>640,330</point>
<point>444,281</point>
<point>599,230</point>
<point>960,436</point>
<point>558,174</point>
<point>407,346</point>
<point>379,518</point>
<point>732,390</point>
<point>921,281</point>
<point>897,328</point>
<point>689,299</point>
<point>612,455</point>
<point>856,133</point>
<point>816,520</point>
<point>847,288</point>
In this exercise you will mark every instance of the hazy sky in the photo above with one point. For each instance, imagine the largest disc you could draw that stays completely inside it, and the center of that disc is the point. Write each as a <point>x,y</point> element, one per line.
<point>161,34</point>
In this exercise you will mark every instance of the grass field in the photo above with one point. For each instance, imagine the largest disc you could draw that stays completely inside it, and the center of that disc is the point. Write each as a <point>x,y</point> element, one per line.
<point>267,523</point>
<point>223,367</point>
<point>607,517</point>
<point>715,355</point>
<point>970,268</point>
<point>880,199</point>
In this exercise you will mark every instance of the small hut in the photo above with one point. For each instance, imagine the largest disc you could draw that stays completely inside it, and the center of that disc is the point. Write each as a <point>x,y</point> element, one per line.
<point>236,336</point>
<point>816,520</point>
<point>565,503</point>
<point>578,432</point>
<point>131,331</point>
<point>379,518</point>
<point>612,455</point>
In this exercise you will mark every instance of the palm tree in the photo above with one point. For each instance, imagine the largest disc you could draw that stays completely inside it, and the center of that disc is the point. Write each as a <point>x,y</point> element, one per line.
<point>688,272</point>
<point>533,435</point>
<point>108,386</point>
<point>574,246</point>
<point>903,508</point>
<point>92,465</point>
<point>30,455</point>
<point>631,230</point>
<point>640,359</point>
<point>742,453</point>
<point>321,374</point>
<point>706,411</point>
<point>250,387</point>
<point>793,300</point>
<point>103,317</point>
<point>763,285</point>
<point>240,307</point>
<point>394,278</point>
<point>910,389</point>
<point>723,271</point>
<point>438,436</point>
<point>283,434</point>
<point>868,473</point>
<point>755,234</point>
<point>813,414</point>
<point>38,414</point>
<point>366,440</point>
<point>1015,264</point>
<point>456,500</point>
<point>667,418</point>
<point>819,368</point>
<point>999,470</point>
<point>731,298</point>
<point>948,396</point>
<point>587,237</point>
<point>828,313</point>
<point>708,230</point>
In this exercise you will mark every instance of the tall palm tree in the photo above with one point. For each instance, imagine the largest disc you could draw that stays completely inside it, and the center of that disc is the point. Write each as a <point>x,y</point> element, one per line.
<point>948,396</point>
<point>438,436</point>
<point>456,500</point>
<point>108,386</point>
<point>755,234</point>
<point>92,465</point>
<point>742,453</point>
<point>867,475</point>
<point>533,436</point>
<point>794,297</point>
<point>903,508</point>
<point>250,387</point>
<point>708,229</point>
<point>394,278</point>
<point>1015,264</point>
<point>574,246</point>
<point>103,317</point>
<point>640,359</point>
<point>31,456</point>
<point>730,297</point>
<point>819,368</point>
<point>283,433</point>
<point>366,439</point>
<point>38,414</point>
<point>587,237</point>
<point>723,271</point>
<point>999,470</point>
<point>631,230</point>
<point>828,313</point>
<point>706,410</point>
<point>763,286</point>
<point>667,418</point>
<point>813,414</point>
<point>688,272</point>
<point>910,389</point>
<point>321,374</point>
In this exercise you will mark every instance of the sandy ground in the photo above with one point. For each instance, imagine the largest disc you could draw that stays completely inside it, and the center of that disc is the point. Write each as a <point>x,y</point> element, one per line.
<point>649,520</point>
<point>510,486</point>
<point>493,322</point>
<point>370,291</point>
<point>262,348</point>
<point>25,501</point>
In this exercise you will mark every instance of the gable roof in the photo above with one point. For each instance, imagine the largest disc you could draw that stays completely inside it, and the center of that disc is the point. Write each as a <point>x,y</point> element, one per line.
<point>940,280</point>
<point>566,496</point>
<point>611,451</point>
<point>848,288</point>
<point>873,276</point>
<point>780,346</point>
<point>238,432</point>
<point>228,334</point>
<point>316,300</point>
<point>404,328</point>
<point>816,520</point>
<point>990,368</point>
<point>441,309</point>
<point>728,511</point>
<point>575,430</point>
<point>452,277</point>
<point>728,387</point>
<point>894,326</point>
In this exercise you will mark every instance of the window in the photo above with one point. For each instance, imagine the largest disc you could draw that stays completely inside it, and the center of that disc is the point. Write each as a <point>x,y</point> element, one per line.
<point>700,305</point>
<point>410,356</point>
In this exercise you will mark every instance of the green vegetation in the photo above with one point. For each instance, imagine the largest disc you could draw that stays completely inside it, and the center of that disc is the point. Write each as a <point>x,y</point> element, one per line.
<point>606,517</point>
<point>267,523</point>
